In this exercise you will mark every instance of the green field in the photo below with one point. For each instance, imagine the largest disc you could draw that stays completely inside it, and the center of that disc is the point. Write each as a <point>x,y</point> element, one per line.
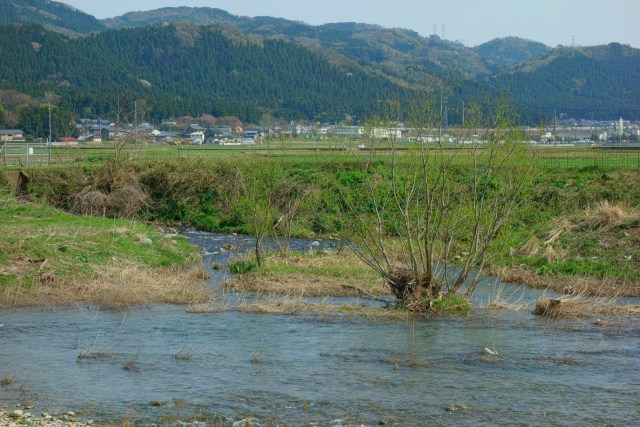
<point>17,155</point>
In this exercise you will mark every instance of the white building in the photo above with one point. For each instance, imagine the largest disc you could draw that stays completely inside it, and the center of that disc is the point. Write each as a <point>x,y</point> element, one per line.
<point>349,131</point>
<point>197,138</point>
<point>381,133</point>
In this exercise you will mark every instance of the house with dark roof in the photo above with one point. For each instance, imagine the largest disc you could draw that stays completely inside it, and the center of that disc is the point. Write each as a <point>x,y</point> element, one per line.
<point>11,135</point>
<point>113,133</point>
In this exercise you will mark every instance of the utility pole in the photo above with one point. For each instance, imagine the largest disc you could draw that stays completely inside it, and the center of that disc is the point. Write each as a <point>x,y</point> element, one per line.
<point>463,114</point>
<point>555,121</point>
<point>49,144</point>
<point>446,114</point>
<point>49,123</point>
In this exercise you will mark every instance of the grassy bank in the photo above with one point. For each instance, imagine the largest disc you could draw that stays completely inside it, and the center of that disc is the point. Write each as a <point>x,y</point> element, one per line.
<point>580,234</point>
<point>554,238</point>
<point>51,258</point>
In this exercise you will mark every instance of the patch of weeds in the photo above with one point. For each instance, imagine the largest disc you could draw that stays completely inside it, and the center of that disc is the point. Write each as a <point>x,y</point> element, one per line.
<point>132,364</point>
<point>242,266</point>
<point>454,303</point>
<point>559,360</point>
<point>255,358</point>
<point>406,362</point>
<point>183,354</point>
<point>7,381</point>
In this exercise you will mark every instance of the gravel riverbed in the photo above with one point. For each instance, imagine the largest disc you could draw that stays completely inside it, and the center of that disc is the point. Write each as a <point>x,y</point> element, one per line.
<point>19,418</point>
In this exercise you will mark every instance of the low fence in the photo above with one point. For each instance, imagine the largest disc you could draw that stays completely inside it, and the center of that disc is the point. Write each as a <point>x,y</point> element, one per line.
<point>19,155</point>
<point>26,154</point>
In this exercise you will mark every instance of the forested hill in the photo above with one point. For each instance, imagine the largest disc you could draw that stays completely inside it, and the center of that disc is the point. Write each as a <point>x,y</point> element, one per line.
<point>246,66</point>
<point>393,52</point>
<point>183,69</point>
<point>595,82</point>
<point>502,53</point>
<point>51,14</point>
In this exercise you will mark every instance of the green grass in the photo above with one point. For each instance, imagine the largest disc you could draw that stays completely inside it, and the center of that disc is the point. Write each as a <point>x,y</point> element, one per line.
<point>242,266</point>
<point>198,186</point>
<point>304,151</point>
<point>452,304</point>
<point>37,238</point>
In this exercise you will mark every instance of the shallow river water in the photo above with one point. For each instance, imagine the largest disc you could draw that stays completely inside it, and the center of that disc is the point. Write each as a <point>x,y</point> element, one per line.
<point>320,370</point>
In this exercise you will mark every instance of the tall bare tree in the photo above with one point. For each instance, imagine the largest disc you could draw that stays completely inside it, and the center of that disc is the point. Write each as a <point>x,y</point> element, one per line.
<point>430,213</point>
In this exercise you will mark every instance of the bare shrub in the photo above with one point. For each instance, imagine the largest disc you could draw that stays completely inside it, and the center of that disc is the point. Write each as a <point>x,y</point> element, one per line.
<point>443,203</point>
<point>91,202</point>
<point>128,201</point>
<point>125,202</point>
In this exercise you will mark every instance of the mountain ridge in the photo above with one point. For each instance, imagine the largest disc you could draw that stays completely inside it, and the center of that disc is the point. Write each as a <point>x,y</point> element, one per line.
<point>540,78</point>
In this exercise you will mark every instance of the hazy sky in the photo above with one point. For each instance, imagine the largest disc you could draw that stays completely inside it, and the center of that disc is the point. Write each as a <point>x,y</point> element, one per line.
<point>553,22</point>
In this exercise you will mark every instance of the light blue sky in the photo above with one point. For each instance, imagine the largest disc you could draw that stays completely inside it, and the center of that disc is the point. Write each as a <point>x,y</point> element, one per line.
<point>553,22</point>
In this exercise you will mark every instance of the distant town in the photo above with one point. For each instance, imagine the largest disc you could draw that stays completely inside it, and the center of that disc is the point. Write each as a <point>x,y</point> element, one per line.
<point>195,131</point>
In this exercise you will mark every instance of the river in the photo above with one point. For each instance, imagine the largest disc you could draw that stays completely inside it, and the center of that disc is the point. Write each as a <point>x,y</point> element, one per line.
<point>159,364</point>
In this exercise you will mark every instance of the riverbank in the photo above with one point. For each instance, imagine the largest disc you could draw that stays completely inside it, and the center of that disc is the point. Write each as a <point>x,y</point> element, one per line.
<point>51,258</point>
<point>18,417</point>
<point>573,226</point>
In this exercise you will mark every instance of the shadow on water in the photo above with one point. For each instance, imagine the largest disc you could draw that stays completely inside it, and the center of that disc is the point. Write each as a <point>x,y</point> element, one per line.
<point>161,363</point>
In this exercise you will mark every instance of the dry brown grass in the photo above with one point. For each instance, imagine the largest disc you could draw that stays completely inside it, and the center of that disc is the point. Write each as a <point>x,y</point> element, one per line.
<point>7,381</point>
<point>582,306</point>
<point>298,285</point>
<point>574,285</point>
<point>295,304</point>
<point>501,298</point>
<point>605,215</point>
<point>116,287</point>
<point>531,247</point>
<point>278,304</point>
<point>563,226</point>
